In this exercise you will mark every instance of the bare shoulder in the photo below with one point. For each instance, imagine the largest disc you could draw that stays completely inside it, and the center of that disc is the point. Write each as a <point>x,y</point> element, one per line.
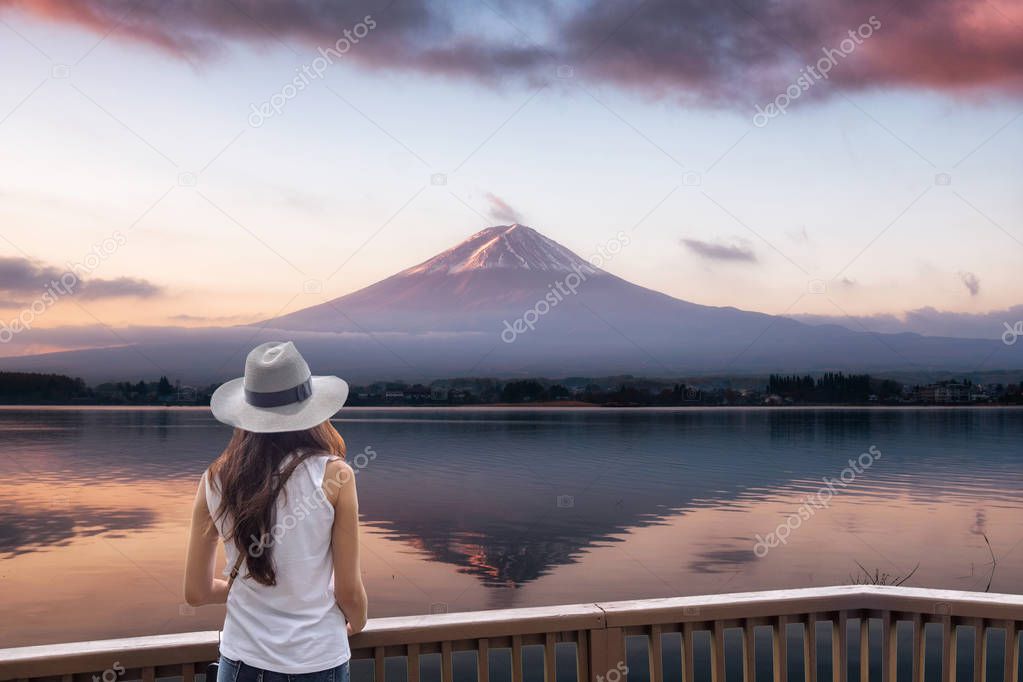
<point>202,520</point>
<point>200,492</point>
<point>338,469</point>
<point>337,477</point>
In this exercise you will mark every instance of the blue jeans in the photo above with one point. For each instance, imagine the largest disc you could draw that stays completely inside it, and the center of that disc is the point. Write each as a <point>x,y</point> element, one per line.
<point>236,671</point>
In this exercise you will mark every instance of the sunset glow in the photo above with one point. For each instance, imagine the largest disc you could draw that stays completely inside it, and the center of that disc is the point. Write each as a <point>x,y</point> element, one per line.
<point>893,180</point>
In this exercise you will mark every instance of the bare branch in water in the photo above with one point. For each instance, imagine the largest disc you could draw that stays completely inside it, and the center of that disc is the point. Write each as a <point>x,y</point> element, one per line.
<point>879,578</point>
<point>994,562</point>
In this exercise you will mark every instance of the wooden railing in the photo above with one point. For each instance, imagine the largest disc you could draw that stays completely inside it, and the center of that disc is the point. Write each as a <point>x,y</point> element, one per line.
<point>889,634</point>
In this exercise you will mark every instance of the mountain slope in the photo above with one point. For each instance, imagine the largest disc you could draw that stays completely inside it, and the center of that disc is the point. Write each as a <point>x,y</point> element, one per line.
<point>496,274</point>
<point>490,275</point>
<point>501,277</point>
<point>508,301</point>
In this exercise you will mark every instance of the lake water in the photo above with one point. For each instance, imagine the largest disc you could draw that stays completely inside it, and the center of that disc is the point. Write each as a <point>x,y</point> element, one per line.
<point>467,509</point>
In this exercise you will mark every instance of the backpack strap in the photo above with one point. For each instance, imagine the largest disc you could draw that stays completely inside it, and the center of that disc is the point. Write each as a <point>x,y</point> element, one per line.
<point>235,569</point>
<point>241,555</point>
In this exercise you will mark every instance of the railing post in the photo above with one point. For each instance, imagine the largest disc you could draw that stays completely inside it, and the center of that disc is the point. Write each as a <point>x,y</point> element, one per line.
<point>810,648</point>
<point>780,648</point>
<point>948,649</point>
<point>483,662</point>
<point>979,650</point>
<point>840,647</point>
<point>516,658</point>
<point>413,662</point>
<point>615,649</point>
<point>550,651</point>
<point>918,648</point>
<point>598,653</point>
<point>717,649</point>
<point>749,654</point>
<point>1011,652</point>
<point>687,653</point>
<point>582,656</point>
<point>865,647</point>
<point>889,647</point>
<point>446,672</point>
<point>654,655</point>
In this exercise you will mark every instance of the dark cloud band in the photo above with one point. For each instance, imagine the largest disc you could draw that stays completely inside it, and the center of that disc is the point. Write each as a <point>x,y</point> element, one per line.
<point>721,252</point>
<point>725,53</point>
<point>22,278</point>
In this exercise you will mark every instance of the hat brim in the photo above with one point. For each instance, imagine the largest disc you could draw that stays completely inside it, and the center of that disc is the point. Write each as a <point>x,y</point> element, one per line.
<point>328,396</point>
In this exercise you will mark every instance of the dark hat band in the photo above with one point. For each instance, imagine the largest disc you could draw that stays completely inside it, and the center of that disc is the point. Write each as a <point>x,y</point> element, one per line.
<point>288,396</point>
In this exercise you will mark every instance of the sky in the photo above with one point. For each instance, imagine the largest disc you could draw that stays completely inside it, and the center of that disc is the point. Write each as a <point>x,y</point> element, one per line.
<point>159,151</point>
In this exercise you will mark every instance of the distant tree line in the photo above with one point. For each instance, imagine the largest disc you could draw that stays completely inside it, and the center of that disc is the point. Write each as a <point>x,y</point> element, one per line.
<point>641,393</point>
<point>625,391</point>
<point>833,387</point>
<point>24,387</point>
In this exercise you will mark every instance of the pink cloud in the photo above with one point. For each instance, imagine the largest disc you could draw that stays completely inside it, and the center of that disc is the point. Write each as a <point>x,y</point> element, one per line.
<point>710,53</point>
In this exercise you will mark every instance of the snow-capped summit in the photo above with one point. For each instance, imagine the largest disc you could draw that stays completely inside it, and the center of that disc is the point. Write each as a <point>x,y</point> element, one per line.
<point>503,246</point>
<point>496,272</point>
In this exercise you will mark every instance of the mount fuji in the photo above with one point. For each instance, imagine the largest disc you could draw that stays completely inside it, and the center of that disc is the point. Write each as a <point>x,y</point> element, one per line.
<point>494,275</point>
<point>509,301</point>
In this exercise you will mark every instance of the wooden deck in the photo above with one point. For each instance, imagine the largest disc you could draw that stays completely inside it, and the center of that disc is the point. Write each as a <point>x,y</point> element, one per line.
<point>886,625</point>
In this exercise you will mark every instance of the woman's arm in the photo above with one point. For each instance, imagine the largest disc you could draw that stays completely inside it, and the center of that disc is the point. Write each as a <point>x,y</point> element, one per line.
<point>201,563</point>
<point>350,593</point>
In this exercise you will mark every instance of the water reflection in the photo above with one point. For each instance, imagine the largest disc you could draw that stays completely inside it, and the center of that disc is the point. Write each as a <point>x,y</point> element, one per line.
<point>569,505</point>
<point>721,560</point>
<point>29,530</point>
<point>548,486</point>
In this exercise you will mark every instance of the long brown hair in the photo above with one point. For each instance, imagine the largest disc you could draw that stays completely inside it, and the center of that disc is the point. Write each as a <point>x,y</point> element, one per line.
<point>249,478</point>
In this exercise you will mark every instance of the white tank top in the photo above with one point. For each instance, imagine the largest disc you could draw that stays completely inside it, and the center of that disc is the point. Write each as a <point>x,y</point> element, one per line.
<point>296,626</point>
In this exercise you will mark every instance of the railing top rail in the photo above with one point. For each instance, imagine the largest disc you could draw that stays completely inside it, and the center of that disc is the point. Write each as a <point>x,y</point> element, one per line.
<point>813,600</point>
<point>475,624</point>
<point>191,647</point>
<point>146,643</point>
<point>131,652</point>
